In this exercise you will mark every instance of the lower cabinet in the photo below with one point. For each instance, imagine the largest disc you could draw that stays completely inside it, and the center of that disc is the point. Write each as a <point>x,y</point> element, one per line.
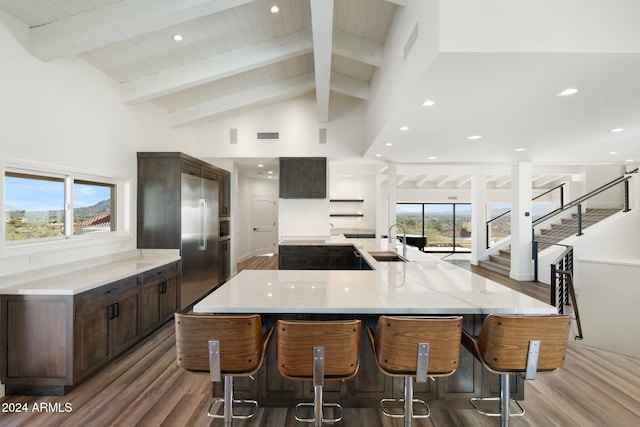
<point>106,323</point>
<point>49,343</point>
<point>159,296</point>
<point>321,257</point>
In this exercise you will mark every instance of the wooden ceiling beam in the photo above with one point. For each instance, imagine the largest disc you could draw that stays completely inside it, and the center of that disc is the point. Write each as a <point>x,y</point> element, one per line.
<point>322,28</point>
<point>216,68</point>
<point>117,22</point>
<point>273,92</point>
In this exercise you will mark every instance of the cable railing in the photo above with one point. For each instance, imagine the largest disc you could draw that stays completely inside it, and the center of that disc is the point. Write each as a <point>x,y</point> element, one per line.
<point>563,293</point>
<point>551,200</point>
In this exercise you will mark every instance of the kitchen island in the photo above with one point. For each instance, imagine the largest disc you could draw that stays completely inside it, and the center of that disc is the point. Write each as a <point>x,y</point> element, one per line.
<point>425,285</point>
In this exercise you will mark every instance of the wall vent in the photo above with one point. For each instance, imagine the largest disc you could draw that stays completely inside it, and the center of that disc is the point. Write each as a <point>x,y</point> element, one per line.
<point>268,135</point>
<point>233,136</point>
<point>322,135</point>
<point>411,41</point>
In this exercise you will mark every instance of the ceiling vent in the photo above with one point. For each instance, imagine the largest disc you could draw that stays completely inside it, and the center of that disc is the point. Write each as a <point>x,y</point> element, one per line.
<point>411,41</point>
<point>233,136</point>
<point>270,136</point>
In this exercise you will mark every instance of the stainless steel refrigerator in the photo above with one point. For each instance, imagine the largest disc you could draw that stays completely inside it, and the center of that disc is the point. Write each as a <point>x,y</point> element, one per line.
<point>200,234</point>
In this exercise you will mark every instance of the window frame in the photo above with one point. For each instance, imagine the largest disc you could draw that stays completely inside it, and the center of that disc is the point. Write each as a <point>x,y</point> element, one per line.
<point>121,213</point>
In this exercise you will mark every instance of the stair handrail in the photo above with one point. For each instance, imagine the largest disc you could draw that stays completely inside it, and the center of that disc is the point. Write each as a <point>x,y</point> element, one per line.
<point>560,186</point>
<point>563,292</point>
<point>624,178</point>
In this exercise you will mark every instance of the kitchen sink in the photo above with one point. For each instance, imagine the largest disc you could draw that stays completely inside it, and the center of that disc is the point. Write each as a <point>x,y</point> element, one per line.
<point>388,256</point>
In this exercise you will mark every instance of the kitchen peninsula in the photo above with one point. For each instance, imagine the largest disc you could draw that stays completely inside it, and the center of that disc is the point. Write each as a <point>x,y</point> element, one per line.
<point>425,285</point>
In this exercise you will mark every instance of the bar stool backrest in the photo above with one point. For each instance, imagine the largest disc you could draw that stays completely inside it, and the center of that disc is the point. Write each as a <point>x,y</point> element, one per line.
<point>241,342</point>
<point>296,340</point>
<point>397,339</point>
<point>504,341</point>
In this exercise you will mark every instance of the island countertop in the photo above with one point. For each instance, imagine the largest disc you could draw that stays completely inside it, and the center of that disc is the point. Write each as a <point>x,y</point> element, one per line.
<point>427,285</point>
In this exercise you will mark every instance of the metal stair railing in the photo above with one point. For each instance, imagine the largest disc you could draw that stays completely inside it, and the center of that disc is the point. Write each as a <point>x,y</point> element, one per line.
<point>563,292</point>
<point>504,220</point>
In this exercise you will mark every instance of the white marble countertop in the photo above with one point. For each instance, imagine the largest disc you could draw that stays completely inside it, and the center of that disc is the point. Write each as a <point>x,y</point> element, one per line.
<point>96,273</point>
<point>427,285</point>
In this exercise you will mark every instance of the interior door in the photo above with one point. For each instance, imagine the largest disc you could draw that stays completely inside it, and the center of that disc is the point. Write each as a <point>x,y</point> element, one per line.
<point>264,214</point>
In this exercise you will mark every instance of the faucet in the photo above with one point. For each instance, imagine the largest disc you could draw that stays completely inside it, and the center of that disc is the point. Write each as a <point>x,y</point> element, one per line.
<point>404,239</point>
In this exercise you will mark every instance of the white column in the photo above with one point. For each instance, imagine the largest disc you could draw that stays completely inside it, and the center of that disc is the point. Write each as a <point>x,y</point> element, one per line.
<point>392,173</point>
<point>478,217</point>
<point>521,194</point>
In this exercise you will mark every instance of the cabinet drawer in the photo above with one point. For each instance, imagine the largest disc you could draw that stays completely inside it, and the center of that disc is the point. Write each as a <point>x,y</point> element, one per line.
<point>98,295</point>
<point>160,272</point>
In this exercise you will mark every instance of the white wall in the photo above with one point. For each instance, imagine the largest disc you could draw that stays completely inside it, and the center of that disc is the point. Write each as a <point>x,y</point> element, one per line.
<point>354,187</point>
<point>67,114</point>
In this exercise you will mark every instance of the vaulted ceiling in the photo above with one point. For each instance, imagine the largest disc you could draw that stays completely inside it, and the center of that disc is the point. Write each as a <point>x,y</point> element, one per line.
<point>496,80</point>
<point>233,54</point>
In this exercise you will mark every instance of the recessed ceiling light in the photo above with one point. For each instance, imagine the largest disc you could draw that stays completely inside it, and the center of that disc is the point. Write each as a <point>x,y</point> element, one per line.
<point>432,157</point>
<point>616,130</point>
<point>629,160</point>
<point>177,37</point>
<point>567,92</point>
<point>270,172</point>
<point>404,128</point>
<point>378,155</point>
<point>429,103</point>
<point>274,9</point>
<point>474,137</point>
<point>613,152</point>
<point>389,144</point>
<point>260,165</point>
<point>346,176</point>
<point>270,177</point>
<point>521,149</point>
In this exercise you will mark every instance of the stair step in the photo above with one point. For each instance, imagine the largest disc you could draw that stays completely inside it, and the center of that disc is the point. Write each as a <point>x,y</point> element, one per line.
<point>501,259</point>
<point>494,266</point>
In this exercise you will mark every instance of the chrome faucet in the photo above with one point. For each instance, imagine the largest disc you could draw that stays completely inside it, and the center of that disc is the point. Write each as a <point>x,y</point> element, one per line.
<point>404,239</point>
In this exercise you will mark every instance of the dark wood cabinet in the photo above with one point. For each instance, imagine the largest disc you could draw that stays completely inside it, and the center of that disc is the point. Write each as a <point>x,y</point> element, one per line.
<point>49,343</point>
<point>321,257</point>
<point>225,195</point>
<point>303,178</point>
<point>162,223</point>
<point>225,257</point>
<point>105,324</point>
<point>159,296</point>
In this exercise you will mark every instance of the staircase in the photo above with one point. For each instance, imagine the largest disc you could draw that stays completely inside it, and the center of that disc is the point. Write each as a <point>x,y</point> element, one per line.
<point>501,262</point>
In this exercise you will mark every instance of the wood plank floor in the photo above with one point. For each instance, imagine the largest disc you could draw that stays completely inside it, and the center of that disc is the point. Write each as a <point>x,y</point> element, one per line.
<point>145,388</point>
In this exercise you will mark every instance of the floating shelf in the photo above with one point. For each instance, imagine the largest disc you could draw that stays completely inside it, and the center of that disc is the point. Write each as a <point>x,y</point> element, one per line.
<point>346,200</point>
<point>337,214</point>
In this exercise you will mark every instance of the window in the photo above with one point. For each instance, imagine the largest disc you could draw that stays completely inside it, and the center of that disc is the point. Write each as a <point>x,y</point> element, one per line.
<point>34,207</point>
<point>447,226</point>
<point>45,204</point>
<point>93,207</point>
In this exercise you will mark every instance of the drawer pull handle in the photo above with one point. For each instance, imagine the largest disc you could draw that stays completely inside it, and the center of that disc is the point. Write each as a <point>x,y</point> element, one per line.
<point>112,290</point>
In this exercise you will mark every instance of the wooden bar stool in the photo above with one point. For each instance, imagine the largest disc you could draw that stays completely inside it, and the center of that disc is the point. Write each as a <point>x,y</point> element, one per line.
<point>518,345</point>
<point>229,346</point>
<point>415,347</point>
<point>318,351</point>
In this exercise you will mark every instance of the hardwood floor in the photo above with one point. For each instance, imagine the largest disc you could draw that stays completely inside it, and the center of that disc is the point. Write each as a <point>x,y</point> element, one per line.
<point>146,388</point>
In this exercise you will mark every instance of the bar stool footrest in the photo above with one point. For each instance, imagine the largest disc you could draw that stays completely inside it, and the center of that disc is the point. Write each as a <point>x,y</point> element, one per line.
<point>473,401</point>
<point>253,403</point>
<point>386,412</point>
<point>312,406</point>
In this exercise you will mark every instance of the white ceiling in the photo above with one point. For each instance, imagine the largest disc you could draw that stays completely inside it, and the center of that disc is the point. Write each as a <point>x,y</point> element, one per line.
<point>236,55</point>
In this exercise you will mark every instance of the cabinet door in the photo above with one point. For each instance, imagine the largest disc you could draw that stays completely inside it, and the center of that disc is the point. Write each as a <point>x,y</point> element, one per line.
<point>150,296</point>
<point>91,338</point>
<point>125,329</point>
<point>169,297</point>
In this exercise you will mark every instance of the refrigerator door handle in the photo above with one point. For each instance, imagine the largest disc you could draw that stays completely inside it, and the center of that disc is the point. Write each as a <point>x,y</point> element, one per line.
<point>202,205</point>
